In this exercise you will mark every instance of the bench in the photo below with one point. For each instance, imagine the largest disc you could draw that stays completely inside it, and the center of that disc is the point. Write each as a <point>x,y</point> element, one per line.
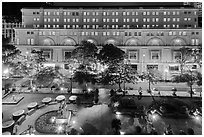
<point>53,103</point>
<point>21,119</point>
<point>41,106</point>
<point>30,112</point>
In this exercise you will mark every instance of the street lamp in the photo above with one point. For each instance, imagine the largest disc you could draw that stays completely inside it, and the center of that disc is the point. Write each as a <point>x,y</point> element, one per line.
<point>143,57</point>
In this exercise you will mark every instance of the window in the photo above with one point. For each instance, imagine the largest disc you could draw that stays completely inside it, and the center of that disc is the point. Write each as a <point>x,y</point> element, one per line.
<point>174,68</point>
<point>54,20</point>
<point>152,67</point>
<point>65,20</point>
<point>164,12</point>
<point>194,41</point>
<point>67,55</point>
<point>184,33</point>
<point>65,13</point>
<point>57,19</point>
<point>47,54</point>
<point>116,13</point>
<point>17,41</point>
<point>132,55</point>
<point>155,55</point>
<point>124,13</point>
<point>45,13</point>
<point>116,20</point>
<point>164,19</point>
<point>144,13</point>
<point>30,41</point>
<point>176,55</point>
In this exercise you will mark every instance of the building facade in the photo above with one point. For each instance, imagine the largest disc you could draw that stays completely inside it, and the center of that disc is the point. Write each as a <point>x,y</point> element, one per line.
<point>8,29</point>
<point>150,37</point>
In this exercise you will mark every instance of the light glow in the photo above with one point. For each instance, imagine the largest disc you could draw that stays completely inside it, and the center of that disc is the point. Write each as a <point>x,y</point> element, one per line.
<point>59,128</point>
<point>122,133</point>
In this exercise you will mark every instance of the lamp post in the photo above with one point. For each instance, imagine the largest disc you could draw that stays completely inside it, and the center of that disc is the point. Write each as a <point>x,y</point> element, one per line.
<point>143,57</point>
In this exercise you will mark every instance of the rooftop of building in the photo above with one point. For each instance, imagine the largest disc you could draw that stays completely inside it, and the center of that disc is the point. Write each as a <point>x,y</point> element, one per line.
<point>108,7</point>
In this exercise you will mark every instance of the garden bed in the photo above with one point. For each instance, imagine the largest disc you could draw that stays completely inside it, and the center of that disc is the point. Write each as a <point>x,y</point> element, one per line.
<point>44,125</point>
<point>12,100</point>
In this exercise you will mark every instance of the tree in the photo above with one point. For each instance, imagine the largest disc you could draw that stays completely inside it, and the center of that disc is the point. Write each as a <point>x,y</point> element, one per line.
<point>152,75</point>
<point>119,73</point>
<point>197,54</point>
<point>118,69</point>
<point>110,55</point>
<point>190,77</point>
<point>9,52</point>
<point>86,56</point>
<point>47,75</point>
<point>186,56</point>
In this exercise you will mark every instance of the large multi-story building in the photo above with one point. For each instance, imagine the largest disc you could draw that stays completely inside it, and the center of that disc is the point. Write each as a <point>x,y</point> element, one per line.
<point>8,29</point>
<point>150,37</point>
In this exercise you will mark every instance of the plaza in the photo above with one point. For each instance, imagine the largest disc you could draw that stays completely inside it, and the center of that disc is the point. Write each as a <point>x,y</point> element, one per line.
<point>103,71</point>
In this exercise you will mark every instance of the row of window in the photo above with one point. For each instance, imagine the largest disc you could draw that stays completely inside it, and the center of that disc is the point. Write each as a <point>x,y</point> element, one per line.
<point>57,13</point>
<point>116,13</point>
<point>114,19</point>
<point>171,33</point>
<point>154,55</point>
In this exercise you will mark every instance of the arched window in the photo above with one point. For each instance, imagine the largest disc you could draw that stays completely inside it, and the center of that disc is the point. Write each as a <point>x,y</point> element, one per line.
<point>111,41</point>
<point>178,42</point>
<point>68,42</point>
<point>48,42</point>
<point>155,42</point>
<point>132,42</point>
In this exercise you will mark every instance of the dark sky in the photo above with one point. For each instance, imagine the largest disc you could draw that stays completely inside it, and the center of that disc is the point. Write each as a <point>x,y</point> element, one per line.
<point>13,8</point>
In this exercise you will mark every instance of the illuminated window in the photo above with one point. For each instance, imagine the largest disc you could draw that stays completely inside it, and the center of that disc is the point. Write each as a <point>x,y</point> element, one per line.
<point>155,55</point>
<point>174,68</point>
<point>124,13</point>
<point>164,12</point>
<point>176,55</point>
<point>57,19</point>
<point>133,55</point>
<point>164,19</point>
<point>65,20</point>
<point>47,55</point>
<point>45,20</point>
